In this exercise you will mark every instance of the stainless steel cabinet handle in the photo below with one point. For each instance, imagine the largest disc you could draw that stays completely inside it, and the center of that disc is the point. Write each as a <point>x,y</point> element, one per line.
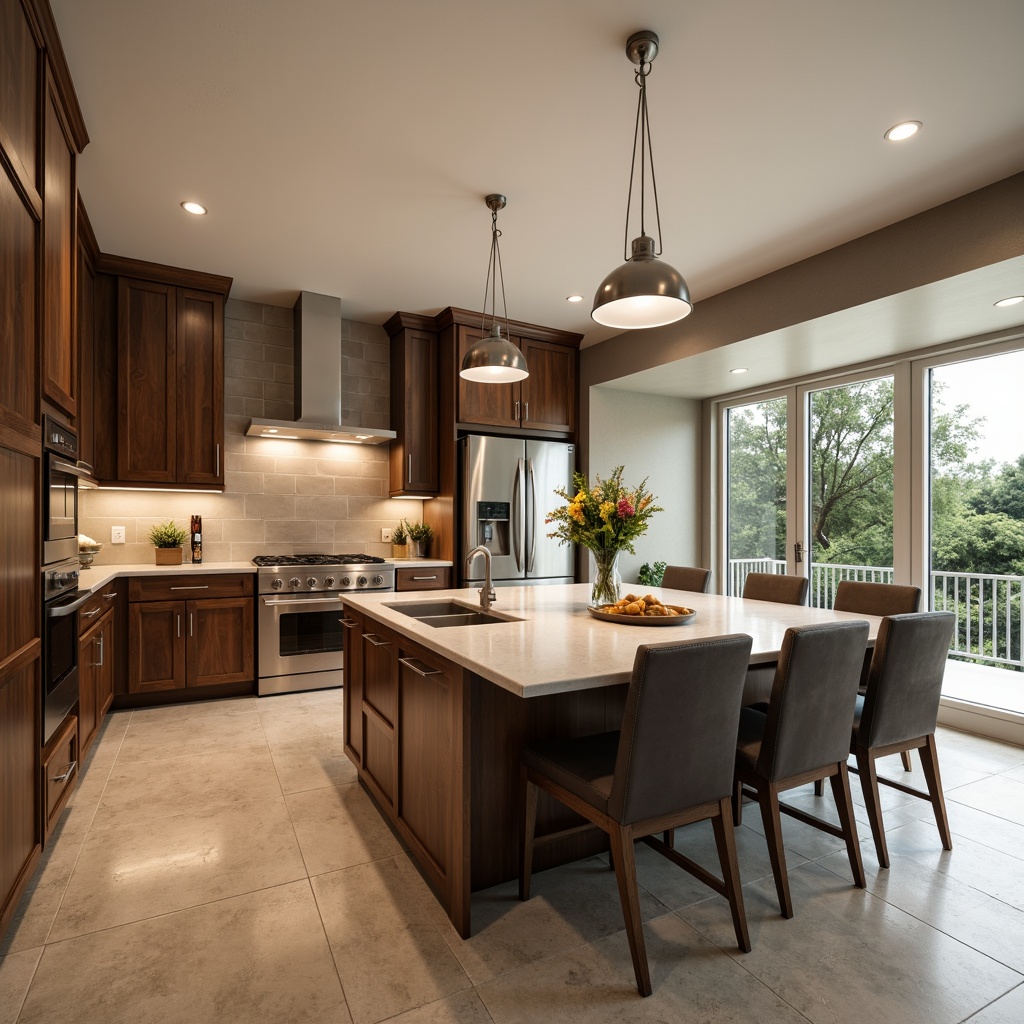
<point>190,631</point>
<point>89,615</point>
<point>408,475</point>
<point>67,772</point>
<point>349,623</point>
<point>419,667</point>
<point>526,411</point>
<point>421,578</point>
<point>205,586</point>
<point>99,640</point>
<point>216,471</point>
<point>516,416</point>
<point>179,625</point>
<point>110,596</point>
<point>376,640</point>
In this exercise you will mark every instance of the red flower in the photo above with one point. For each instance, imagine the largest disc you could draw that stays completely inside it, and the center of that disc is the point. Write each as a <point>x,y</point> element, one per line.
<point>625,509</point>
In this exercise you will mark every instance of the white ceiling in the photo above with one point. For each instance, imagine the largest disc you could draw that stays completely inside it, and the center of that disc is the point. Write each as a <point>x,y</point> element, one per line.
<point>345,148</point>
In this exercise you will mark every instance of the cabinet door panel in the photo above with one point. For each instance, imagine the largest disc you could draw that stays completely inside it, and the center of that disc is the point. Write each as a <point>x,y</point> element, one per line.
<point>549,393</point>
<point>414,412</point>
<point>60,360</point>
<point>200,353</point>
<point>88,665</point>
<point>105,669</point>
<point>492,404</point>
<point>156,646</point>
<point>220,641</point>
<point>147,386</point>
<point>19,97</point>
<point>353,690</point>
<point>379,758</point>
<point>379,675</point>
<point>19,566</point>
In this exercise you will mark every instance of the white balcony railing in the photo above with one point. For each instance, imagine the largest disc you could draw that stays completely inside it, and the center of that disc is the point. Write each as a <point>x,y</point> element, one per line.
<point>987,606</point>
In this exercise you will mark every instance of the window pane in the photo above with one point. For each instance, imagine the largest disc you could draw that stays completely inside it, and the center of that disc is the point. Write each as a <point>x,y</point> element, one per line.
<point>756,490</point>
<point>851,486</point>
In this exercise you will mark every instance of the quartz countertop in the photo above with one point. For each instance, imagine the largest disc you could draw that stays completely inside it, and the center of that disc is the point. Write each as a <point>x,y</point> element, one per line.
<point>551,644</point>
<point>95,576</point>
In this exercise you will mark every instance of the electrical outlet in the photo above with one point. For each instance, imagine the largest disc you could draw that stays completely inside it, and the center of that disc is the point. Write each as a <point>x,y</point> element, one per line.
<point>117,535</point>
<point>385,535</point>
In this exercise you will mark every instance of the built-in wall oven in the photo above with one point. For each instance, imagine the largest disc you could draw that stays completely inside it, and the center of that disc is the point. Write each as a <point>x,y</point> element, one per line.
<point>61,600</point>
<point>61,474</point>
<point>301,639</point>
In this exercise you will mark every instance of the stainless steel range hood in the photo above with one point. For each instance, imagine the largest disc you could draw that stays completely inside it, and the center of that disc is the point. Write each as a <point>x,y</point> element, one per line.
<point>318,380</point>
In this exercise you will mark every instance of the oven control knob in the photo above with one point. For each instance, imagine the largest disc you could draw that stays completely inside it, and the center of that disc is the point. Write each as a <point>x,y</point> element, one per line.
<point>329,582</point>
<point>278,583</point>
<point>294,581</point>
<point>311,582</point>
<point>361,581</point>
<point>378,581</point>
<point>346,582</point>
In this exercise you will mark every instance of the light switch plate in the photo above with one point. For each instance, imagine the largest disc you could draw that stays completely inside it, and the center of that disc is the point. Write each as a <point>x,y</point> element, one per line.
<point>117,535</point>
<point>385,535</point>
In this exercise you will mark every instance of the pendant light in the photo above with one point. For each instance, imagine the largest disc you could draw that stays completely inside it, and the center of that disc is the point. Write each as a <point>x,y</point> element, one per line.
<point>644,291</point>
<point>494,359</point>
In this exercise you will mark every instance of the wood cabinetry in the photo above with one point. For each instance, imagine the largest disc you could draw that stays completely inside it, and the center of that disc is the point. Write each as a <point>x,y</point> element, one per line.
<point>434,577</point>
<point>189,632</point>
<point>97,655</point>
<point>414,453</point>
<point>60,772</point>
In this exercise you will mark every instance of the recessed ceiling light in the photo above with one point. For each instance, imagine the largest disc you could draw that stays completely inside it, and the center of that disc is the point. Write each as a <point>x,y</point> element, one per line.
<point>574,298</point>
<point>739,369</point>
<point>197,208</point>
<point>270,430</point>
<point>903,130</point>
<point>1012,300</point>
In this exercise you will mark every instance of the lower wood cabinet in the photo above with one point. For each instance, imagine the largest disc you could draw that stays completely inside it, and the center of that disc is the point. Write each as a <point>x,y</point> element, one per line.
<point>96,653</point>
<point>189,631</point>
<point>60,772</point>
<point>435,577</point>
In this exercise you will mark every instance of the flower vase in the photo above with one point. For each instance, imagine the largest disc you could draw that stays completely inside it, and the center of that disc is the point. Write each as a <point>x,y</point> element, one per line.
<point>607,583</point>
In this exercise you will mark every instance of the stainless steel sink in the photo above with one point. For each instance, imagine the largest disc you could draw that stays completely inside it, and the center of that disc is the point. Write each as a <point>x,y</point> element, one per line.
<point>447,613</point>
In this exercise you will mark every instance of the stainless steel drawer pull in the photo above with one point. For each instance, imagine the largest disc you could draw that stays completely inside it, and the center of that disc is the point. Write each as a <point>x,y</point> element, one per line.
<point>376,641</point>
<point>110,596</point>
<point>349,623</point>
<point>99,640</point>
<point>216,470</point>
<point>191,632</point>
<point>67,773</point>
<point>526,411</point>
<point>420,578</point>
<point>179,625</point>
<point>89,615</point>
<point>204,586</point>
<point>419,667</point>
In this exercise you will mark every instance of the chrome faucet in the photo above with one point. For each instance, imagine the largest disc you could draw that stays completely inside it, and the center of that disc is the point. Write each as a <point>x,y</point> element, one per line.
<point>486,591</point>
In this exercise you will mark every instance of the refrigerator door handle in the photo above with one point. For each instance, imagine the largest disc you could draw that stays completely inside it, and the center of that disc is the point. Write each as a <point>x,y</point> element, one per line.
<point>517,518</point>
<point>531,520</point>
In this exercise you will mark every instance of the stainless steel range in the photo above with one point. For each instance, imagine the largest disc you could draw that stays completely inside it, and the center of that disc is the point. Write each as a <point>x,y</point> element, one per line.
<point>301,636</point>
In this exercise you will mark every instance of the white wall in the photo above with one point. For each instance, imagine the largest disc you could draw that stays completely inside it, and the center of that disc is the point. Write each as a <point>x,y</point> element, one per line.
<point>659,438</point>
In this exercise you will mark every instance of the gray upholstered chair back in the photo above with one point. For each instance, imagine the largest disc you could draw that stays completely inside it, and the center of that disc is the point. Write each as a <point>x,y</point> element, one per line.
<point>875,598</point>
<point>686,577</point>
<point>813,698</point>
<point>767,586</point>
<point>677,746</point>
<point>905,682</point>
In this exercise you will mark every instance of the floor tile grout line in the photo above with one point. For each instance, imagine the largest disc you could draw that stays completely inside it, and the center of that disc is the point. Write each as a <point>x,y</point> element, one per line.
<point>982,1009</point>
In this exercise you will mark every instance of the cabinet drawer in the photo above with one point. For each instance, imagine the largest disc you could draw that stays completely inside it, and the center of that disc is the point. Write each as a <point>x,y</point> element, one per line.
<point>183,588</point>
<point>60,772</point>
<point>90,612</point>
<point>433,578</point>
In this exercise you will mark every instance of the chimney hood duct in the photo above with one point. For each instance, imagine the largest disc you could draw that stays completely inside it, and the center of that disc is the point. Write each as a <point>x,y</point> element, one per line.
<point>318,380</point>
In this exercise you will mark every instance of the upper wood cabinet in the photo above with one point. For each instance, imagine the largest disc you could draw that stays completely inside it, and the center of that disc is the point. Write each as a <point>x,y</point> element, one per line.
<point>414,406</point>
<point>162,340</point>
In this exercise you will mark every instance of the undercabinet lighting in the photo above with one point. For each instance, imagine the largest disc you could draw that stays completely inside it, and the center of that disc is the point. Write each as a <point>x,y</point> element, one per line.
<point>1012,300</point>
<point>903,130</point>
<point>739,369</point>
<point>574,298</point>
<point>412,497</point>
<point>197,208</point>
<point>158,490</point>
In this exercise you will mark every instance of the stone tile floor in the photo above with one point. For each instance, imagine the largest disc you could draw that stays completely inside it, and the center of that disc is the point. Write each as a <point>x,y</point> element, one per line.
<point>218,863</point>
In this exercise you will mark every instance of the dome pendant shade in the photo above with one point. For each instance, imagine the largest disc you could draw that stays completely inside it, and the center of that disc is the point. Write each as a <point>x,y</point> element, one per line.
<point>643,292</point>
<point>494,360</point>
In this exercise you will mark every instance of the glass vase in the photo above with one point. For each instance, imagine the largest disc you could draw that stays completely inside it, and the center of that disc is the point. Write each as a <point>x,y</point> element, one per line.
<point>607,583</point>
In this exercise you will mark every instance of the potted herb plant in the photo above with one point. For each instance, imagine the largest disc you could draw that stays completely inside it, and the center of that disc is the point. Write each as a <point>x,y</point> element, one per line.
<point>399,542</point>
<point>168,538</point>
<point>419,537</point>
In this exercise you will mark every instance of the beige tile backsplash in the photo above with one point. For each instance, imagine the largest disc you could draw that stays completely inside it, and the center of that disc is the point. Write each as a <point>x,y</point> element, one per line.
<point>280,496</point>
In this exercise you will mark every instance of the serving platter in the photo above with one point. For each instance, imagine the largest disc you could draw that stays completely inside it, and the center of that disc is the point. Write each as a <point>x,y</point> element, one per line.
<point>685,615</point>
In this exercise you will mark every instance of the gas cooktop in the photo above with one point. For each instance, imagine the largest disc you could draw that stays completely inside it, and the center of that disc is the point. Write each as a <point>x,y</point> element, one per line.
<point>315,559</point>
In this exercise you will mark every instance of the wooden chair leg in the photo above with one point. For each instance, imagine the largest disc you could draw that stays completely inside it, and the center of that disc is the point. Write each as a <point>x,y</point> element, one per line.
<point>725,840</point>
<point>905,758</point>
<point>669,838</point>
<point>625,876</point>
<point>873,803</point>
<point>529,829</point>
<point>844,804</point>
<point>819,787</point>
<point>930,764</point>
<point>768,798</point>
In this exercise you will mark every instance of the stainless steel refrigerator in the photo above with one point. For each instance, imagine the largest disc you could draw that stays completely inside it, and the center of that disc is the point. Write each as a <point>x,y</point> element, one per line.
<point>507,487</point>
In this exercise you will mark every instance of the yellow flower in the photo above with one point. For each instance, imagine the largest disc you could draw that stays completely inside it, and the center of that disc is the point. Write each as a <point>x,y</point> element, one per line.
<point>576,511</point>
<point>607,509</point>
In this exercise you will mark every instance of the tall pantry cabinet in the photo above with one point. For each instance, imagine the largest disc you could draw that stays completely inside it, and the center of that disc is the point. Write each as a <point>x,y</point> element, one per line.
<point>41,135</point>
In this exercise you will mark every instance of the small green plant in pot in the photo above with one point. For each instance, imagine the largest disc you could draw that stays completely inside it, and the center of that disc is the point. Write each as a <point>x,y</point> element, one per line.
<point>168,538</point>
<point>419,537</point>
<point>651,574</point>
<point>399,542</point>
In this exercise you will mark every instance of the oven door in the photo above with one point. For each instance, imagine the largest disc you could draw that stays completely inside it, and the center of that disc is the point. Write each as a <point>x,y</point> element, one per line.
<point>60,660</point>
<point>60,519</point>
<point>300,634</point>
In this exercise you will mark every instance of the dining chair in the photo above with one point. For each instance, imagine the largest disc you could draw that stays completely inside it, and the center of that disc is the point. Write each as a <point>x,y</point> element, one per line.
<point>686,577</point>
<point>768,586</point>
<point>867,598</point>
<point>899,711</point>
<point>801,735</point>
<point>670,764</point>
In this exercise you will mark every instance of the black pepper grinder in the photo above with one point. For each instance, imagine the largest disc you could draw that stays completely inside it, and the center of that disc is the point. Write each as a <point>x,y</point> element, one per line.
<point>197,540</point>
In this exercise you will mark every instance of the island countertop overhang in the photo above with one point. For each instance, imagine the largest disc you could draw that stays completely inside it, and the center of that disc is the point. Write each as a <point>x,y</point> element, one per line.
<point>552,645</point>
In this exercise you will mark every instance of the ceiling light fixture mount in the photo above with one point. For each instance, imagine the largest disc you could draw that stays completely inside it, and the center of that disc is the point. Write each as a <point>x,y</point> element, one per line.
<point>644,291</point>
<point>901,131</point>
<point>494,359</point>
<point>1010,300</point>
<point>195,208</point>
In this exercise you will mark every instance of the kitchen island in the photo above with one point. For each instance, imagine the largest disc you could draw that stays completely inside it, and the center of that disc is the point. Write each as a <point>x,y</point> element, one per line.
<point>435,717</point>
